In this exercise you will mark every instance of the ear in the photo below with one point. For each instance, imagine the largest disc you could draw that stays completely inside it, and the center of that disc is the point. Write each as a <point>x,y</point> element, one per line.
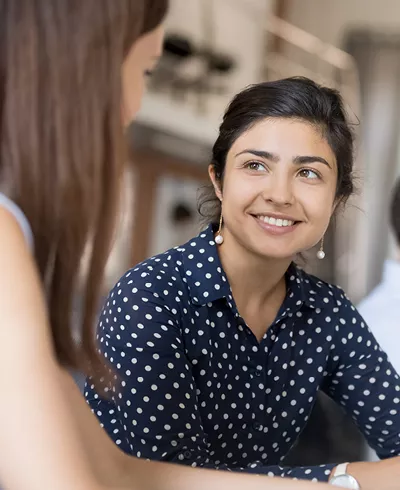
<point>335,205</point>
<point>215,183</point>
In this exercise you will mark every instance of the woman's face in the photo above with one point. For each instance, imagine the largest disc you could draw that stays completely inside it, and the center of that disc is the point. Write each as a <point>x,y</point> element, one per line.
<point>279,188</point>
<point>139,63</point>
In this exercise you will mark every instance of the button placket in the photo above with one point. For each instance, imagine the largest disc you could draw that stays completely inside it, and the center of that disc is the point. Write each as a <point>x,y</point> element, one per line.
<point>257,359</point>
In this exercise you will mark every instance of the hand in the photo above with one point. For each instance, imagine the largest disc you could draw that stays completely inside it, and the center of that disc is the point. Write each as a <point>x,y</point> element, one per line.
<point>377,475</point>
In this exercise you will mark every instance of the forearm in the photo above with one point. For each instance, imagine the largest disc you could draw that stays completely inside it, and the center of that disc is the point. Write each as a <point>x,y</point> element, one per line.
<point>319,473</point>
<point>40,445</point>
<point>107,461</point>
<point>116,469</point>
<point>113,467</point>
<point>165,476</point>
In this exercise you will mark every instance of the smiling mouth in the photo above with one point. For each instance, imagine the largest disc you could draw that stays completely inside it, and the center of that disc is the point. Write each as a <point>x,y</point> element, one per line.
<point>278,222</point>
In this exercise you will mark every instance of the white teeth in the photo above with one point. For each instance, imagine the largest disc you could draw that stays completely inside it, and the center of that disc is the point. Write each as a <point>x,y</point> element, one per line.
<point>276,222</point>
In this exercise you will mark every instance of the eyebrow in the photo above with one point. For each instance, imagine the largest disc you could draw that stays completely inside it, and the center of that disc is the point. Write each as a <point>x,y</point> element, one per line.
<point>273,157</point>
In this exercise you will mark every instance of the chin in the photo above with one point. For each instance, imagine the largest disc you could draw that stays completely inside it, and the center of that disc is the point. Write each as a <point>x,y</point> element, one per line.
<point>268,247</point>
<point>279,256</point>
<point>274,253</point>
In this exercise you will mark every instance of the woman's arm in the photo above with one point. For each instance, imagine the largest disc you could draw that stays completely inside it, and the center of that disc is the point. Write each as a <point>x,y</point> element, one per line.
<point>39,443</point>
<point>115,467</point>
<point>362,380</point>
<point>364,383</point>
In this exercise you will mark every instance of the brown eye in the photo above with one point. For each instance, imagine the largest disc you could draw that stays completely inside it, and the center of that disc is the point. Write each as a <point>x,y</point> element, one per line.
<point>255,166</point>
<point>307,173</point>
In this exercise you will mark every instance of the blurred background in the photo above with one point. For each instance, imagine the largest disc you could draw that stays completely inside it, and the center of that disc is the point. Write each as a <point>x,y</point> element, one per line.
<point>213,49</point>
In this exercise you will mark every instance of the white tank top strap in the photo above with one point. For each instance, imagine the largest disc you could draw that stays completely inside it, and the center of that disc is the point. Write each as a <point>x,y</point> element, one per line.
<point>8,204</point>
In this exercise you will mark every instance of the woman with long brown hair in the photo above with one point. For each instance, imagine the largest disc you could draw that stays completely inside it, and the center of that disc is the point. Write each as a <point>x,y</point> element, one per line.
<point>71,77</point>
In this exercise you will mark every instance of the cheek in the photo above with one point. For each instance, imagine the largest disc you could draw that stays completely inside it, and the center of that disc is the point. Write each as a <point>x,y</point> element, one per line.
<point>132,93</point>
<point>318,204</point>
<point>238,194</point>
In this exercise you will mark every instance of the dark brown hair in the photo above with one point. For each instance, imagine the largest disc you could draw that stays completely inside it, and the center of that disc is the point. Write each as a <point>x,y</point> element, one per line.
<point>395,211</point>
<point>291,98</point>
<point>62,148</point>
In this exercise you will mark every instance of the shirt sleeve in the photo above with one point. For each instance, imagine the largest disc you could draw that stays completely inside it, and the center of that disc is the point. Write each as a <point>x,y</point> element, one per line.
<point>19,216</point>
<point>363,381</point>
<point>154,413</point>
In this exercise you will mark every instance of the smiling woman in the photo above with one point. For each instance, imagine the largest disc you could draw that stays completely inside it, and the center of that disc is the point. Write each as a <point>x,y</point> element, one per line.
<point>281,142</point>
<point>279,178</point>
<point>230,341</point>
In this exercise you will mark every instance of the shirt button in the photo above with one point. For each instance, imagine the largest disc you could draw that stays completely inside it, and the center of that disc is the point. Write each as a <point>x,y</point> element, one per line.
<point>187,455</point>
<point>257,426</point>
<point>257,373</point>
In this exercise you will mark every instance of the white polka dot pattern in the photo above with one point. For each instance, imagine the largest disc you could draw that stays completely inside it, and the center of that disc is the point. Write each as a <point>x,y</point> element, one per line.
<point>198,388</point>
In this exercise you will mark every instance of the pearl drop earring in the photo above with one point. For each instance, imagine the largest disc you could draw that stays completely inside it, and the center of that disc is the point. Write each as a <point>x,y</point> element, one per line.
<point>321,253</point>
<point>219,239</point>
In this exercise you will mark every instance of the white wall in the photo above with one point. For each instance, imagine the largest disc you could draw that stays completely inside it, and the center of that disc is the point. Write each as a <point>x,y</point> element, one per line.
<point>329,19</point>
<point>238,28</point>
<point>239,31</point>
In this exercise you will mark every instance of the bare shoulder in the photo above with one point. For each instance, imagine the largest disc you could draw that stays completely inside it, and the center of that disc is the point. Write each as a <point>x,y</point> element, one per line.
<point>17,264</point>
<point>22,303</point>
<point>30,379</point>
<point>12,238</point>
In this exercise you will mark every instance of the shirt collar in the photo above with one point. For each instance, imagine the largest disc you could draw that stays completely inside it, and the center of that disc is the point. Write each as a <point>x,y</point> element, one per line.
<point>306,289</point>
<point>295,283</point>
<point>204,275</point>
<point>207,282</point>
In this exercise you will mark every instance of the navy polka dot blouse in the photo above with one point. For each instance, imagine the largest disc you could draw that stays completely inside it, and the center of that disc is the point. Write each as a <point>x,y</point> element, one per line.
<point>197,388</point>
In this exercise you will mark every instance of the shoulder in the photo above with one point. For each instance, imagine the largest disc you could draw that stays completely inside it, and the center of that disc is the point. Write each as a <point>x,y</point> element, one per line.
<point>155,274</point>
<point>17,264</point>
<point>16,215</point>
<point>326,291</point>
<point>171,270</point>
<point>328,297</point>
<point>13,240</point>
<point>176,278</point>
<point>153,289</point>
<point>20,284</point>
<point>144,304</point>
<point>349,333</point>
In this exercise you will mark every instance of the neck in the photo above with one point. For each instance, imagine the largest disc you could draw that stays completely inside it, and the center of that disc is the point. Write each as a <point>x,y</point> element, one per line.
<point>253,278</point>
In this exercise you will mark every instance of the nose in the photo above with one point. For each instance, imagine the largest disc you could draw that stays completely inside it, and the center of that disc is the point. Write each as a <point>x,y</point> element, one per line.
<point>278,189</point>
